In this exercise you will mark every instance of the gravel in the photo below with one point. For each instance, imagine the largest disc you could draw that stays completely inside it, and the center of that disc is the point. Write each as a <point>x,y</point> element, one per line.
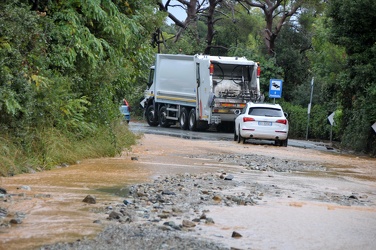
<point>163,214</point>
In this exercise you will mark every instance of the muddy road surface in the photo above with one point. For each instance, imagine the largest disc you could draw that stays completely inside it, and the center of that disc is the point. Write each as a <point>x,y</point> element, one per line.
<point>273,198</point>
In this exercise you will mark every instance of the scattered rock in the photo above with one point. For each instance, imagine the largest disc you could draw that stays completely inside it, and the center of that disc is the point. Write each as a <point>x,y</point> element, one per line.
<point>114,215</point>
<point>167,192</point>
<point>90,199</point>
<point>134,158</point>
<point>217,198</point>
<point>3,212</point>
<point>42,196</point>
<point>3,190</point>
<point>16,221</point>
<point>353,196</point>
<point>236,235</point>
<point>127,202</point>
<point>163,216</point>
<point>27,188</point>
<point>229,177</point>
<point>187,223</point>
<point>209,221</point>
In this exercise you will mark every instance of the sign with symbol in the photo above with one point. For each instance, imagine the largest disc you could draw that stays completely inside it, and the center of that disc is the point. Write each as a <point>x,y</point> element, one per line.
<point>275,88</point>
<point>331,118</point>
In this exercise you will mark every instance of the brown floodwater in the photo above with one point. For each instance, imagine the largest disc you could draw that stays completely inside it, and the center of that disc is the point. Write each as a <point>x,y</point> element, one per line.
<point>55,212</point>
<point>54,208</point>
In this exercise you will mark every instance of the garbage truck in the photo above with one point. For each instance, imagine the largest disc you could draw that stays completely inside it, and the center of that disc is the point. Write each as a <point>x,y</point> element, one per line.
<point>197,91</point>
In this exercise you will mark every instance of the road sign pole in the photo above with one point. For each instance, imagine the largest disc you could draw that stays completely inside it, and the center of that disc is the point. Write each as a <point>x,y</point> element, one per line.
<point>309,108</point>
<point>331,134</point>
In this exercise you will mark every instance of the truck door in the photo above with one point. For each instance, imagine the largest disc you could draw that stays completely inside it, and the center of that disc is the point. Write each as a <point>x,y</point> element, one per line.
<point>203,90</point>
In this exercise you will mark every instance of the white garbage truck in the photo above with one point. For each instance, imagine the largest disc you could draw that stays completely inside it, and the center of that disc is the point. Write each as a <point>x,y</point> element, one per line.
<point>197,91</point>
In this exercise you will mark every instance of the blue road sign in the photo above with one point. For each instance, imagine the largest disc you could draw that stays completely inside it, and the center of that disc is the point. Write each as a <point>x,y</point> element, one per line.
<point>275,88</point>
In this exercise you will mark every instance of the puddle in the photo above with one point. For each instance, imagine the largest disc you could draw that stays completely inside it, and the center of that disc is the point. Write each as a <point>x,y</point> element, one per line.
<point>54,208</point>
<point>289,225</point>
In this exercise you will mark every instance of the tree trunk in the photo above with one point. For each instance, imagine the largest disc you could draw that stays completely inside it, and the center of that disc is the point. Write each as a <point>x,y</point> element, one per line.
<point>210,25</point>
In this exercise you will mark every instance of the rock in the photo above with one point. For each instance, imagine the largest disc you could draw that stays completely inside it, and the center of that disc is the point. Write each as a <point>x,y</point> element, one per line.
<point>229,177</point>
<point>3,212</point>
<point>353,196</point>
<point>134,158</point>
<point>164,228</point>
<point>20,215</point>
<point>15,221</point>
<point>42,196</point>
<point>97,222</point>
<point>90,199</point>
<point>127,202</point>
<point>114,216</point>
<point>167,192</point>
<point>209,221</point>
<point>27,188</point>
<point>187,223</point>
<point>177,210</point>
<point>163,216</point>
<point>3,190</point>
<point>141,194</point>
<point>172,225</point>
<point>236,235</point>
<point>217,198</point>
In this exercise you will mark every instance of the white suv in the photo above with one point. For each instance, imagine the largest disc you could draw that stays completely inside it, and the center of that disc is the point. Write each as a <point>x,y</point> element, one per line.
<point>262,121</point>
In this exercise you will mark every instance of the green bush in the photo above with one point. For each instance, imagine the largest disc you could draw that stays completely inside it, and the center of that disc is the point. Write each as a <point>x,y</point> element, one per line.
<point>47,147</point>
<point>297,117</point>
<point>319,127</point>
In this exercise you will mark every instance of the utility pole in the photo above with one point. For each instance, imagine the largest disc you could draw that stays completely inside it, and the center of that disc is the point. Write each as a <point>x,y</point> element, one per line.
<point>309,108</point>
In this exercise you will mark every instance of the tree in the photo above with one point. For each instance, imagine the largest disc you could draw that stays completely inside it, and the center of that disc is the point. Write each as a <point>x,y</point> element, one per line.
<point>192,8</point>
<point>352,26</point>
<point>66,64</point>
<point>276,12</point>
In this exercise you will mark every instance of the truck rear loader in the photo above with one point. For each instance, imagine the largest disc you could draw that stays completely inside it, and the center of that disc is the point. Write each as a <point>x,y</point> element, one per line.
<point>197,91</point>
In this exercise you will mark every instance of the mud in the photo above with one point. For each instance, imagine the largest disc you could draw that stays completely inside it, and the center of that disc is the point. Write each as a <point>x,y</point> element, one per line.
<point>307,195</point>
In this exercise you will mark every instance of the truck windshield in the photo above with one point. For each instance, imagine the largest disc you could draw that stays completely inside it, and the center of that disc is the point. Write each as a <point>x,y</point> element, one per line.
<point>151,77</point>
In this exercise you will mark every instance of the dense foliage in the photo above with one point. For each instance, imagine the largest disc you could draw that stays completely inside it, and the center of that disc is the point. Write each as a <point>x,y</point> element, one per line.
<point>352,26</point>
<point>64,67</point>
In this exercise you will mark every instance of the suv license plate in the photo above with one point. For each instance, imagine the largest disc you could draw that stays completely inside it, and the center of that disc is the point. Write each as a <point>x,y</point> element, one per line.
<point>265,123</point>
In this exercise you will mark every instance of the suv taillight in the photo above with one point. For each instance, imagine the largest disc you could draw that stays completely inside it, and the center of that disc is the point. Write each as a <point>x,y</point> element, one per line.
<point>283,121</point>
<point>248,119</point>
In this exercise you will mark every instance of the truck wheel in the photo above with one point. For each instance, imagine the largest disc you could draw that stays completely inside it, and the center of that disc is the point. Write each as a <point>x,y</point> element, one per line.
<point>163,122</point>
<point>151,117</point>
<point>183,119</point>
<point>235,135</point>
<point>192,120</point>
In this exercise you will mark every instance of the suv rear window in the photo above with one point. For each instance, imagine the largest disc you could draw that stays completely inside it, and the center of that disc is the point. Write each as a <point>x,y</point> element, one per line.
<point>270,112</point>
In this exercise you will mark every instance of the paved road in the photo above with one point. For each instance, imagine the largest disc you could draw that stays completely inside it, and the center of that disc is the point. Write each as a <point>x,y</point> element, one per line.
<point>140,127</point>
